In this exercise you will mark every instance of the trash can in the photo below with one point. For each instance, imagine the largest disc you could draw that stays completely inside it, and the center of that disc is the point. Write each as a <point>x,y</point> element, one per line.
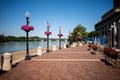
<point>7,61</point>
<point>67,46</point>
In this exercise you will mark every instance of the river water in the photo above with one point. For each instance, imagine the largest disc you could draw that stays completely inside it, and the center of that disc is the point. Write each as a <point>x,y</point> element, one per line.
<point>17,46</point>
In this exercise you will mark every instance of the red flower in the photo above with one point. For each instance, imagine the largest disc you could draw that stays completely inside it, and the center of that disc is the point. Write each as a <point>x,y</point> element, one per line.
<point>112,51</point>
<point>106,50</point>
<point>27,28</point>
<point>60,35</point>
<point>94,47</point>
<point>109,51</point>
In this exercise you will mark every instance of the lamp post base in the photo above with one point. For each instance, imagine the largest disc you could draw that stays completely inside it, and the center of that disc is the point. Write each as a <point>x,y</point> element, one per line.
<point>27,57</point>
<point>59,47</point>
<point>47,51</point>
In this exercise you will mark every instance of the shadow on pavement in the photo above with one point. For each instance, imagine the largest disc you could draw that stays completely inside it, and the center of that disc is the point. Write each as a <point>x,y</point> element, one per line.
<point>106,62</point>
<point>2,72</point>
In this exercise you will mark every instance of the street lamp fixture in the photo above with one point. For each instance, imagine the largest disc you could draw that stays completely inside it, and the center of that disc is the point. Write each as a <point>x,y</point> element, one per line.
<point>117,9</point>
<point>27,28</point>
<point>60,35</point>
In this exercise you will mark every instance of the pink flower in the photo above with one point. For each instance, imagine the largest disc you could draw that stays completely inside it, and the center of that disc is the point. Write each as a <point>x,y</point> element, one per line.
<point>60,35</point>
<point>27,28</point>
<point>69,37</point>
<point>79,37</point>
<point>48,33</point>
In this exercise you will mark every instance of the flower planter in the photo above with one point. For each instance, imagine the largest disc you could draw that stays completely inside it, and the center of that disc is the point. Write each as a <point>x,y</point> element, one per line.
<point>109,52</point>
<point>89,46</point>
<point>94,47</point>
<point>114,56</point>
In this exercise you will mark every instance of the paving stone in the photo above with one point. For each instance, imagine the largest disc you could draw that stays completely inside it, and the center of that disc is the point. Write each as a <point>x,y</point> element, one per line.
<point>66,64</point>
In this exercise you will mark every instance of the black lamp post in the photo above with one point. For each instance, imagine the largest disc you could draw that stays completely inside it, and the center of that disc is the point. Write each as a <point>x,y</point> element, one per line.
<point>48,33</point>
<point>27,57</point>
<point>27,28</point>
<point>69,37</point>
<point>60,35</point>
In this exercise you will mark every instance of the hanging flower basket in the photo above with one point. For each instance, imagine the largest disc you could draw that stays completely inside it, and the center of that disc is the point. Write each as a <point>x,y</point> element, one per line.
<point>48,33</point>
<point>69,37</point>
<point>60,35</point>
<point>27,28</point>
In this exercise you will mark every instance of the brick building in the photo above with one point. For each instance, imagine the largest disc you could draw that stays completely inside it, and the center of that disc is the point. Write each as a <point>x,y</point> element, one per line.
<point>109,26</point>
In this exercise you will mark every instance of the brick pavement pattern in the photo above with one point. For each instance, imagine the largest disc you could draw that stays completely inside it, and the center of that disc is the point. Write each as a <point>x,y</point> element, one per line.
<point>66,64</point>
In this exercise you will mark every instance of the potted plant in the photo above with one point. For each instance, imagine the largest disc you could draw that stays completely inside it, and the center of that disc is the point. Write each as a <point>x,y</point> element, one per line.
<point>110,52</point>
<point>89,45</point>
<point>106,52</point>
<point>94,47</point>
<point>113,54</point>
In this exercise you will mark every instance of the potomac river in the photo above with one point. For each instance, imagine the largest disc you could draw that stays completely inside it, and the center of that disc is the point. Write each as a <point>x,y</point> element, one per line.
<point>17,45</point>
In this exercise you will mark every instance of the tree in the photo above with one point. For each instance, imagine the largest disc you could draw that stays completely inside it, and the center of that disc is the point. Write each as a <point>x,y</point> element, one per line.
<point>94,33</point>
<point>1,37</point>
<point>79,30</point>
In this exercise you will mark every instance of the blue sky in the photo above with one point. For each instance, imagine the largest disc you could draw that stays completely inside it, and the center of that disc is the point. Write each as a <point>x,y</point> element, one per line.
<point>59,13</point>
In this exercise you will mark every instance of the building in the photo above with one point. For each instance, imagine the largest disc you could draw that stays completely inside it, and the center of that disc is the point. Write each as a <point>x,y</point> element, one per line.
<point>109,26</point>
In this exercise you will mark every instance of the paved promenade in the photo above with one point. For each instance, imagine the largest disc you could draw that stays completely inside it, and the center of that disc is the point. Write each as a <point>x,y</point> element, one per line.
<point>66,64</point>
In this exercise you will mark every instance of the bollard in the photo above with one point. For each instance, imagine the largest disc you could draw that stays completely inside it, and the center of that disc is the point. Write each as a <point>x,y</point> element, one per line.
<point>39,51</point>
<point>64,45</point>
<point>7,61</point>
<point>1,62</point>
<point>74,44</point>
<point>54,48</point>
<point>67,45</point>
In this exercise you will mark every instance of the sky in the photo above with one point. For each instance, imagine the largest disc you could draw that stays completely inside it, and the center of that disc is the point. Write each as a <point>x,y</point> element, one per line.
<point>66,14</point>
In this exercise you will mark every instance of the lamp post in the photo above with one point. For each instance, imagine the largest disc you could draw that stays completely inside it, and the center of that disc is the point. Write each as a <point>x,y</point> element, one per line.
<point>48,33</point>
<point>112,32</point>
<point>69,37</point>
<point>27,28</point>
<point>60,35</point>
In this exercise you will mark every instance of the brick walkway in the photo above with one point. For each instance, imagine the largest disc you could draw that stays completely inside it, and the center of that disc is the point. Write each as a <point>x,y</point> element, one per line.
<point>65,64</point>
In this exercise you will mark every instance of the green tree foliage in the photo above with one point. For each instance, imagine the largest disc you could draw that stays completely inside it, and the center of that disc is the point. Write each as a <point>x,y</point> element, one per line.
<point>94,33</point>
<point>78,30</point>
<point>1,37</point>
